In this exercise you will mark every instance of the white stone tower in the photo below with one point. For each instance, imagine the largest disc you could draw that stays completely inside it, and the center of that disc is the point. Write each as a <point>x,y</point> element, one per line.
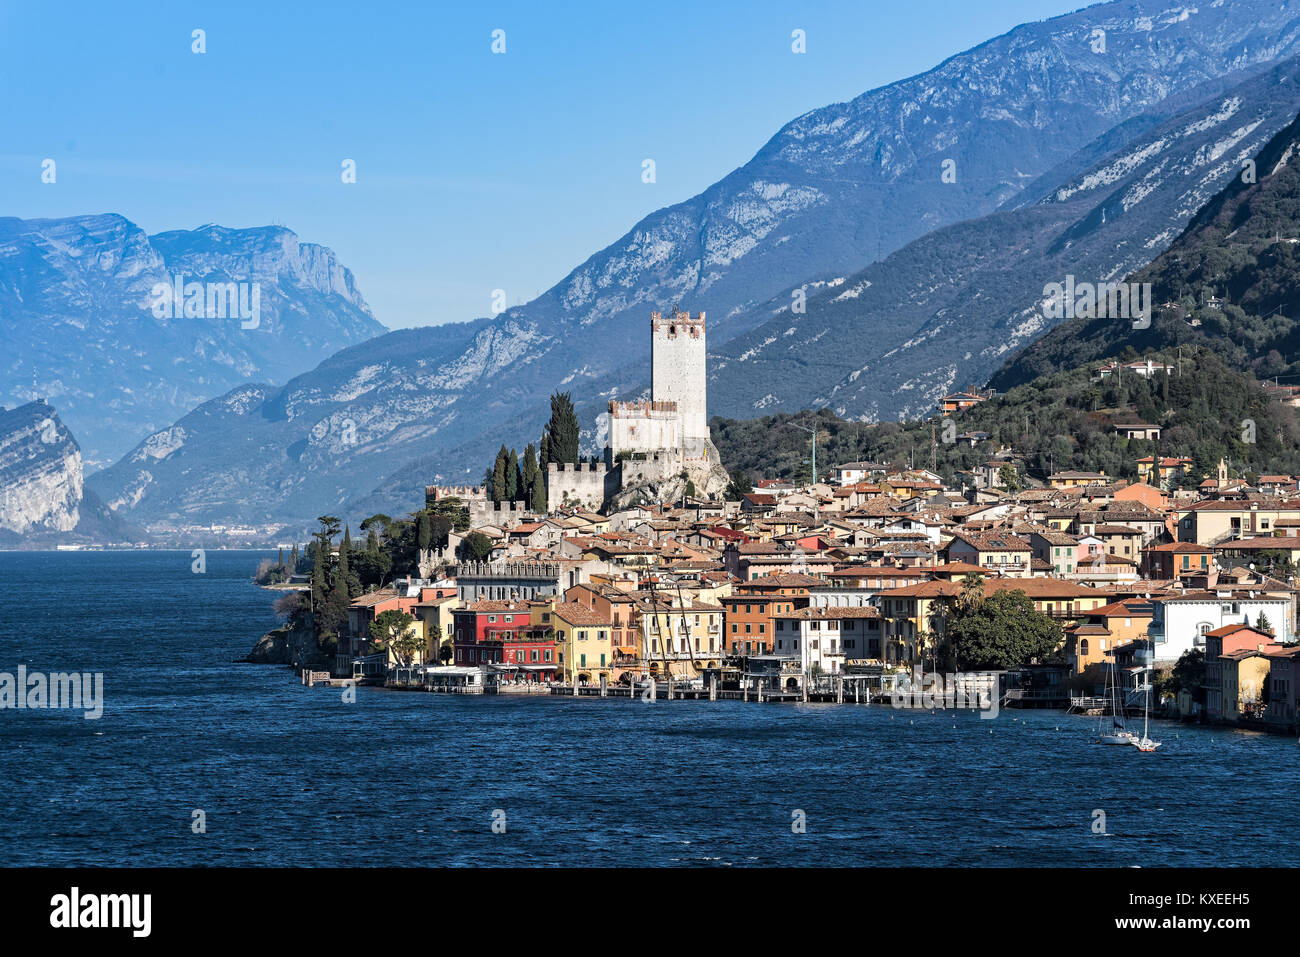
<point>678,365</point>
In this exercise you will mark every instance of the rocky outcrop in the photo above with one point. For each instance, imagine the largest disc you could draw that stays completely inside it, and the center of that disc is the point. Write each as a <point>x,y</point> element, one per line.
<point>43,501</point>
<point>707,478</point>
<point>40,472</point>
<point>290,645</point>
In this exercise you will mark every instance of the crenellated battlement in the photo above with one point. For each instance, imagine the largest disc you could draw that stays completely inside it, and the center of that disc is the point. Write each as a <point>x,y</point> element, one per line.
<point>575,468</point>
<point>433,493</point>
<point>678,323</point>
<point>643,408</point>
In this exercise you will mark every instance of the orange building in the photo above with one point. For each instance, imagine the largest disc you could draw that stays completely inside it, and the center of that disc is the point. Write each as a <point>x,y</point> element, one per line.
<point>753,605</point>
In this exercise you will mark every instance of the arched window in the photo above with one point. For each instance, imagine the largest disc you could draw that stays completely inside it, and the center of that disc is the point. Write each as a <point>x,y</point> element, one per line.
<point>1083,647</point>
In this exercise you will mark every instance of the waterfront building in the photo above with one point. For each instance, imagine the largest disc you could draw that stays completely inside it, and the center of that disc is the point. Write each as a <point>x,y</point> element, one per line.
<point>1183,621</point>
<point>822,639</point>
<point>582,638</point>
<point>1236,669</point>
<point>678,636</point>
<point>752,606</point>
<point>500,633</point>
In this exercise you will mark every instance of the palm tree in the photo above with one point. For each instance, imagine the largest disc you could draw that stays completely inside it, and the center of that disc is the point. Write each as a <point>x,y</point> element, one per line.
<point>972,592</point>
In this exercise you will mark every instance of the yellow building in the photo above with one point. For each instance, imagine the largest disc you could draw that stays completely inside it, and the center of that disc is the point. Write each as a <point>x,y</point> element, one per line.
<point>1244,673</point>
<point>678,637</point>
<point>433,612</point>
<point>584,640</point>
<point>1068,479</point>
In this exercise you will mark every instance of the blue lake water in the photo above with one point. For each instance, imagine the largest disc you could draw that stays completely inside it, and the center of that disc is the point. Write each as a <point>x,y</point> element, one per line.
<point>288,775</point>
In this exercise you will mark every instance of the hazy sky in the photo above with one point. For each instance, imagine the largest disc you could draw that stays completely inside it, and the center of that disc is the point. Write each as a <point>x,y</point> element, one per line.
<point>474,171</point>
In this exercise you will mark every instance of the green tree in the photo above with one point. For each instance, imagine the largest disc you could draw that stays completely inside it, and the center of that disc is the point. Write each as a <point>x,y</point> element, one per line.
<point>514,482</point>
<point>1009,478</point>
<point>972,592</point>
<point>322,549</point>
<point>739,486</point>
<point>1003,631</point>
<point>538,500</point>
<point>562,430</point>
<point>477,546</point>
<point>453,508</point>
<point>500,489</point>
<point>391,631</point>
<point>1263,624</point>
<point>440,527</point>
<point>347,576</point>
<point>424,531</point>
<point>528,472</point>
<point>1189,675</point>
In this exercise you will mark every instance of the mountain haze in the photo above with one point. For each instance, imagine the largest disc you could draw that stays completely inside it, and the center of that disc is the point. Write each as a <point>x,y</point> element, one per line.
<point>76,316</point>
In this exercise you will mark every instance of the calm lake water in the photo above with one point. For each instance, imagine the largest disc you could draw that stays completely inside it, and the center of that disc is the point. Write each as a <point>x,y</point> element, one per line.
<point>288,775</point>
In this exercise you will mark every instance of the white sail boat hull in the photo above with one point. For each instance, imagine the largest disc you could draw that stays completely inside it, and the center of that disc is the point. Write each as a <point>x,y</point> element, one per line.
<point>1123,737</point>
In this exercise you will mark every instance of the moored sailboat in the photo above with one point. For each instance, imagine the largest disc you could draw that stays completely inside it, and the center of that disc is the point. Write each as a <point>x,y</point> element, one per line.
<point>1118,734</point>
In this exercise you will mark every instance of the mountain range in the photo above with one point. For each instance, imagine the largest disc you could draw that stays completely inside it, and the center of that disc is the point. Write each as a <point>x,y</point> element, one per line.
<point>1228,283</point>
<point>1025,147</point>
<point>78,324</point>
<point>946,311</point>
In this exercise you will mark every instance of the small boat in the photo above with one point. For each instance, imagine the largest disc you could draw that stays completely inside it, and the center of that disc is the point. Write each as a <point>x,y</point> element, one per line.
<point>1118,733</point>
<point>1146,744</point>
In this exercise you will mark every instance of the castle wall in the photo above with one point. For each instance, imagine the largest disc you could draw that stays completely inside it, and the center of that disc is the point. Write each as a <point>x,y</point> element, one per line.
<point>486,512</point>
<point>466,493</point>
<point>577,485</point>
<point>643,426</point>
<point>650,467</point>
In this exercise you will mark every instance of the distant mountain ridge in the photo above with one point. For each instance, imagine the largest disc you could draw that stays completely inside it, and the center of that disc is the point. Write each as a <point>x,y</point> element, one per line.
<point>1231,282</point>
<point>76,316</point>
<point>834,190</point>
<point>942,313</point>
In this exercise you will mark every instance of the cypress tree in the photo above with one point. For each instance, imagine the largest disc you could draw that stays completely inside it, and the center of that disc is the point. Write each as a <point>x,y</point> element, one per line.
<point>424,531</point>
<point>499,476</point>
<point>528,471</point>
<point>538,501</point>
<point>344,577</point>
<point>512,477</point>
<point>319,584</point>
<point>562,430</point>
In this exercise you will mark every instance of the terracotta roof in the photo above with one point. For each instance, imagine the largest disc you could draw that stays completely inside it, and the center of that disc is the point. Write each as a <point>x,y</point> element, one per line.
<point>824,614</point>
<point>374,598</point>
<point>488,604</point>
<point>576,613</point>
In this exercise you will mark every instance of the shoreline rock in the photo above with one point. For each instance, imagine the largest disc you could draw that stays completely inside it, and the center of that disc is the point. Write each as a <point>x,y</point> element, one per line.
<point>287,645</point>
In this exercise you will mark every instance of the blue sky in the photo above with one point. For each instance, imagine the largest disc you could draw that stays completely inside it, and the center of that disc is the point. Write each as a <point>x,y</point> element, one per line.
<point>475,171</point>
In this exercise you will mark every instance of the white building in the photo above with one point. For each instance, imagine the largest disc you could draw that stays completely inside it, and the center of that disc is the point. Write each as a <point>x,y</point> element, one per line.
<point>825,637</point>
<point>1181,621</point>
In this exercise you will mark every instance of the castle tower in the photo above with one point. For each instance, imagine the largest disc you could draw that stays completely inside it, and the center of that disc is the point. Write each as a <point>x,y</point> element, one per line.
<point>677,373</point>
